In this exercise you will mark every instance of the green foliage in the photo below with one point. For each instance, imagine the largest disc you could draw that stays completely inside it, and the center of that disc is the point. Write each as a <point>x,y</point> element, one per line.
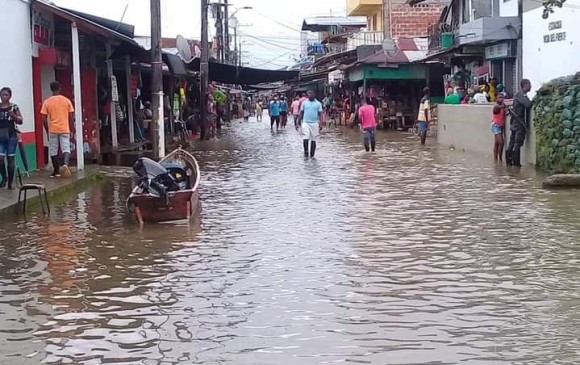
<point>557,125</point>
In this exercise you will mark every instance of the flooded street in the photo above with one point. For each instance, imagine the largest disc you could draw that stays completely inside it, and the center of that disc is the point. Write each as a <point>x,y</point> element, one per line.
<point>408,256</point>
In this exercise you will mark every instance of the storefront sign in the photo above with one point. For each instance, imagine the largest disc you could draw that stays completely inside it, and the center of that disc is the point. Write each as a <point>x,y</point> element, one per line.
<point>555,36</point>
<point>500,50</point>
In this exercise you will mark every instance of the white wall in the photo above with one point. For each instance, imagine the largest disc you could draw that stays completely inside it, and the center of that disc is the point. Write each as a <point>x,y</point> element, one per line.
<point>542,61</point>
<point>16,59</point>
<point>508,8</point>
<point>468,128</point>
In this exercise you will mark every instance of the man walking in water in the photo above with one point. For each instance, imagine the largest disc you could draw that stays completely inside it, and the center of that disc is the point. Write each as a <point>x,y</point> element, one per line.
<point>424,116</point>
<point>310,117</point>
<point>368,123</point>
<point>296,112</point>
<point>57,117</point>
<point>519,124</point>
<point>274,111</point>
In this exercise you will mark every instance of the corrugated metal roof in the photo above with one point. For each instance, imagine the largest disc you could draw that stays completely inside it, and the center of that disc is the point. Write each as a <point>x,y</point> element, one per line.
<point>321,23</point>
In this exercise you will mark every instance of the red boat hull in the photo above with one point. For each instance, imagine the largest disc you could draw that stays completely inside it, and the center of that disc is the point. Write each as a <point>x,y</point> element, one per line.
<point>182,205</point>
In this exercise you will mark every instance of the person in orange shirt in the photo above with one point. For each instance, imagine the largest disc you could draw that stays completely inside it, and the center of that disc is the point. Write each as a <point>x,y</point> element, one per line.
<point>57,117</point>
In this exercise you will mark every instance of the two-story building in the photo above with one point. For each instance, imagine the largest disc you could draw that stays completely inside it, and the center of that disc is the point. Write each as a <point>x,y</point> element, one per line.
<point>478,40</point>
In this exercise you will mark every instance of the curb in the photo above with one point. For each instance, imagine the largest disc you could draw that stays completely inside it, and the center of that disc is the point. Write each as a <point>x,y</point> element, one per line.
<point>57,195</point>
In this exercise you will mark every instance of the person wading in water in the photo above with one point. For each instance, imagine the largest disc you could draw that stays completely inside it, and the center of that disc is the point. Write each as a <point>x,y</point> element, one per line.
<point>310,117</point>
<point>497,123</point>
<point>9,117</point>
<point>519,124</point>
<point>424,115</point>
<point>368,123</point>
<point>274,111</point>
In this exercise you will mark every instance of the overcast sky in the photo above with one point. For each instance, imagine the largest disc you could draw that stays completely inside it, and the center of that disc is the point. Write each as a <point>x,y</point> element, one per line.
<point>270,31</point>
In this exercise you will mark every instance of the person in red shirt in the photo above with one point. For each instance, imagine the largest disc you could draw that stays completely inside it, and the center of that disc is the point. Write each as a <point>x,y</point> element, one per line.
<point>497,124</point>
<point>368,123</point>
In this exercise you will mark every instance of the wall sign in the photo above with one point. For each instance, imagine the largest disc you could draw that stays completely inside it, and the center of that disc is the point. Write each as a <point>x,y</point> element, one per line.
<point>555,36</point>
<point>42,31</point>
<point>500,50</point>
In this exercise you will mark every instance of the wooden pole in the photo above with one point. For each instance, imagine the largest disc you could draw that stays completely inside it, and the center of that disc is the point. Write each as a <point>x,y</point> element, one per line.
<point>78,97</point>
<point>130,103</point>
<point>158,139</point>
<point>112,109</point>
<point>204,67</point>
<point>227,32</point>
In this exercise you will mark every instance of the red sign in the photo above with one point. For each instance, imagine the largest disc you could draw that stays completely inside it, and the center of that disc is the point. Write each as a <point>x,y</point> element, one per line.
<point>134,85</point>
<point>41,34</point>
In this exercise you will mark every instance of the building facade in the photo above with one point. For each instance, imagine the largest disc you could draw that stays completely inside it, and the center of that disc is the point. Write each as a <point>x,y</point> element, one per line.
<point>396,18</point>
<point>550,46</point>
<point>16,72</point>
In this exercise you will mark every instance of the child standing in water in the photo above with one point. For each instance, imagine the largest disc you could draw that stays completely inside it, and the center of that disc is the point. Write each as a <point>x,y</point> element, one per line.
<point>497,124</point>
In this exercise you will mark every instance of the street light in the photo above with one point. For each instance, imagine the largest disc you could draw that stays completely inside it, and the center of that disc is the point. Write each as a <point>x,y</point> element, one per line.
<point>232,22</point>
<point>238,9</point>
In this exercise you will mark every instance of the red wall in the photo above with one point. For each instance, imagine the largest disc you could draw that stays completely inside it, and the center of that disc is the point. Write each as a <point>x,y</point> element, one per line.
<point>413,21</point>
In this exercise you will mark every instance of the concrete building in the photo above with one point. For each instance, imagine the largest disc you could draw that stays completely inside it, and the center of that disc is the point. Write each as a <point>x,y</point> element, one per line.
<point>396,18</point>
<point>16,70</point>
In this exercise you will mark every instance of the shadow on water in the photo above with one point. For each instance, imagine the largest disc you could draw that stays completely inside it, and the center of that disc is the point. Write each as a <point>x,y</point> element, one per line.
<point>411,255</point>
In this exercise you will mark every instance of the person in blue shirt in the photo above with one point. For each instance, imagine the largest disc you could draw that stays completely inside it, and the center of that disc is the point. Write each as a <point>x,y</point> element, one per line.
<point>283,112</point>
<point>310,117</point>
<point>274,111</point>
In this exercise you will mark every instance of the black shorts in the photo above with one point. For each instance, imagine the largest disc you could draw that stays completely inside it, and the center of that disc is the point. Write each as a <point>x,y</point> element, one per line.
<point>283,114</point>
<point>275,118</point>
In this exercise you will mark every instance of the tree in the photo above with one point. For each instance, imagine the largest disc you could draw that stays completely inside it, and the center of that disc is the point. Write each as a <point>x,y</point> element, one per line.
<point>549,7</point>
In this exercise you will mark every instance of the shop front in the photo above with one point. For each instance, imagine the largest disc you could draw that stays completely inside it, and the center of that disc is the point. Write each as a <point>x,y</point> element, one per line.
<point>73,50</point>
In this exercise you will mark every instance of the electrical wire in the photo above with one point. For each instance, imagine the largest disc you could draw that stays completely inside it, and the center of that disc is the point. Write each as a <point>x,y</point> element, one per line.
<point>277,22</point>
<point>278,57</point>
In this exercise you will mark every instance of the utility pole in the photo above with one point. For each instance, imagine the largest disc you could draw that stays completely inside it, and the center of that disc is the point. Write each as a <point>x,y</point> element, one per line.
<point>227,32</point>
<point>387,19</point>
<point>157,81</point>
<point>204,67</point>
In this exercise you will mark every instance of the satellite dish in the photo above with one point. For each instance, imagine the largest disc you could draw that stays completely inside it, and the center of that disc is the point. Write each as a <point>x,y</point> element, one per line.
<point>389,47</point>
<point>183,49</point>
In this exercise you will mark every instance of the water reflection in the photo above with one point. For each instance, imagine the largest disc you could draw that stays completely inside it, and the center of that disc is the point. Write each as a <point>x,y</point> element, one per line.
<point>408,256</point>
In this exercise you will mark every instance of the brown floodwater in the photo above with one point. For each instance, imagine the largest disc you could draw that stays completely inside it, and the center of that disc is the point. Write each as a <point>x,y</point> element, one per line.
<point>408,256</point>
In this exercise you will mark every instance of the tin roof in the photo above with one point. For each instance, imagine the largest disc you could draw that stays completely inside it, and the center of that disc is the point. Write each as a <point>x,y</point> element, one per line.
<point>321,23</point>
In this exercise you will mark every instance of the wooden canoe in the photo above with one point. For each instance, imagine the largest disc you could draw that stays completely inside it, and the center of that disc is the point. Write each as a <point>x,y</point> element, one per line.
<point>177,205</point>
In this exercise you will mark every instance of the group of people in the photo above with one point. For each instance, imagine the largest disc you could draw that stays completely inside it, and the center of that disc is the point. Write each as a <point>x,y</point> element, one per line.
<point>519,124</point>
<point>480,94</point>
<point>57,117</point>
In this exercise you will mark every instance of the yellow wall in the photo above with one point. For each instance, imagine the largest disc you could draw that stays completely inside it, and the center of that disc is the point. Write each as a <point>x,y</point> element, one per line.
<point>375,21</point>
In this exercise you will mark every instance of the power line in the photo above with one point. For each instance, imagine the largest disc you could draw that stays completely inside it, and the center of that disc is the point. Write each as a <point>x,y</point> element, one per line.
<point>277,22</point>
<point>278,57</point>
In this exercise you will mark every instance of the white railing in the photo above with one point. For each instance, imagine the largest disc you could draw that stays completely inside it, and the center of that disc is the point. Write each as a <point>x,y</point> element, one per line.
<point>365,38</point>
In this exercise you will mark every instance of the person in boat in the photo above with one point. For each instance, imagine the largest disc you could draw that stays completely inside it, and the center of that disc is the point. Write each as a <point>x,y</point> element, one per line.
<point>311,116</point>
<point>9,117</point>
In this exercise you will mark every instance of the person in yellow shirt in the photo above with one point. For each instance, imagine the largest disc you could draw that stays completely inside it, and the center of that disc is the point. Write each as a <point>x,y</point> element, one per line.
<point>57,118</point>
<point>424,116</point>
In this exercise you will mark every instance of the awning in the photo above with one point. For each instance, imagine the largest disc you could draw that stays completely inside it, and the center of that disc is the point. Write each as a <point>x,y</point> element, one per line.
<point>321,23</point>
<point>128,47</point>
<point>176,65</point>
<point>229,74</point>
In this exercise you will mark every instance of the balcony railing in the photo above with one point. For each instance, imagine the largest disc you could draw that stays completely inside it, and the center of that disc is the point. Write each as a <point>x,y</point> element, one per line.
<point>365,38</point>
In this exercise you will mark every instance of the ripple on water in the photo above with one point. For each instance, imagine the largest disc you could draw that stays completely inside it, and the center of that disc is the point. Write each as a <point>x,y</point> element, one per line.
<point>408,256</point>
